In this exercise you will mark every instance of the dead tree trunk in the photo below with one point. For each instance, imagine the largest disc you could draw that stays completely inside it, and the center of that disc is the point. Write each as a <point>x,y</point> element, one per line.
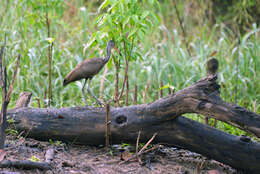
<point>86,125</point>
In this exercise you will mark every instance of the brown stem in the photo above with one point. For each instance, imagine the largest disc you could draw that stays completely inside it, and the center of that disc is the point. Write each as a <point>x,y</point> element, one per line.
<point>145,93</point>
<point>182,28</point>
<point>135,95</point>
<point>45,97</point>
<point>4,108</point>
<point>13,79</point>
<point>116,82</point>
<point>215,123</point>
<point>161,90</point>
<point>39,102</point>
<point>126,68</point>
<point>157,95</point>
<point>6,97</point>
<point>127,91</point>
<point>101,89</point>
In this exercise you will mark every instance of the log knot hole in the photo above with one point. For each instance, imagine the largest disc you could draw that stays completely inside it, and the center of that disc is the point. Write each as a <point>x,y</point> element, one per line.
<point>202,104</point>
<point>121,119</point>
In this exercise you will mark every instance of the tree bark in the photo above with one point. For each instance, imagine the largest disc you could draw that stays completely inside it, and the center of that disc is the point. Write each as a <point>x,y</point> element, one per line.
<point>86,125</point>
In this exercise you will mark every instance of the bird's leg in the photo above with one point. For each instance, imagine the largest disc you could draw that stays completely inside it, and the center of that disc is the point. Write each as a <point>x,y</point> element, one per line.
<point>83,92</point>
<point>99,102</point>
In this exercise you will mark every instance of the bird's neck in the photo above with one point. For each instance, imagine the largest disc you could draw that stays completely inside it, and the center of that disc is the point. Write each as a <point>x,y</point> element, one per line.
<point>106,59</point>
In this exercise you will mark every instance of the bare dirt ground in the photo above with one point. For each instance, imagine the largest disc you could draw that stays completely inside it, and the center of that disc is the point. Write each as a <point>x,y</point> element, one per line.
<point>74,159</point>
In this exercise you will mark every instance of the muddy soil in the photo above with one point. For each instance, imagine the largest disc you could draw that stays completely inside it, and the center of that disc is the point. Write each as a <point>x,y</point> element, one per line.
<point>75,159</point>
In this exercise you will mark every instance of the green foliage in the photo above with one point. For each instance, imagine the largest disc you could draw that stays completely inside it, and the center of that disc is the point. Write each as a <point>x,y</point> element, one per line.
<point>11,131</point>
<point>157,54</point>
<point>241,12</point>
<point>127,22</point>
<point>56,143</point>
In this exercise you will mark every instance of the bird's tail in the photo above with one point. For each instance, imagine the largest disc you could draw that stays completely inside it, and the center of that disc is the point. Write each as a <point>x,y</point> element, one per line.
<point>65,82</point>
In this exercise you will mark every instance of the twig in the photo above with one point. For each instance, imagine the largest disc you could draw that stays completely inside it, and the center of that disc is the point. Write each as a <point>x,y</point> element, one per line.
<point>134,156</point>
<point>108,132</point>
<point>141,151</point>
<point>147,144</point>
<point>182,27</point>
<point>136,147</point>
<point>25,164</point>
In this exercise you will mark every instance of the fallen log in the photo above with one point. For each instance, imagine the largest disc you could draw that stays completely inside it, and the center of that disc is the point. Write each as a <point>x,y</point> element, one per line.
<point>86,125</point>
<point>25,165</point>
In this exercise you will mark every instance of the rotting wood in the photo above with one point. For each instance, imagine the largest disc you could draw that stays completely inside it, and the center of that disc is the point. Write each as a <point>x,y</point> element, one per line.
<point>26,164</point>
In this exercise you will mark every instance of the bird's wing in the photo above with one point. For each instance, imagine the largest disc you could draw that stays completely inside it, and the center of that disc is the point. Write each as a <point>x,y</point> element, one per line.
<point>92,66</point>
<point>86,69</point>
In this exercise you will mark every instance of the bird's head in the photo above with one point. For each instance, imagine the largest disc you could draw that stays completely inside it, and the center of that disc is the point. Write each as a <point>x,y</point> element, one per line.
<point>111,44</point>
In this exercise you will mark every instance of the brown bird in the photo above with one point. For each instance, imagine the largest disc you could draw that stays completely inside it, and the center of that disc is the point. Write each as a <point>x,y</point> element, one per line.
<point>212,66</point>
<point>88,69</point>
<point>212,69</point>
<point>23,100</point>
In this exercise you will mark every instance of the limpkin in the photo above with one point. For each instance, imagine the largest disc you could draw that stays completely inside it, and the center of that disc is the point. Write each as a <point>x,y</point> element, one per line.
<point>88,69</point>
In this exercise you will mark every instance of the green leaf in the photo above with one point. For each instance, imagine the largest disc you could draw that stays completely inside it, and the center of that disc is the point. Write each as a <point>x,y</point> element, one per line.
<point>103,5</point>
<point>167,86</point>
<point>145,14</point>
<point>126,21</point>
<point>132,32</point>
<point>34,159</point>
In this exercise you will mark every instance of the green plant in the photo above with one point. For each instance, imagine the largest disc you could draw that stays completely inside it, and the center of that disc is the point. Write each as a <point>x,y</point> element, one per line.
<point>56,143</point>
<point>34,159</point>
<point>127,22</point>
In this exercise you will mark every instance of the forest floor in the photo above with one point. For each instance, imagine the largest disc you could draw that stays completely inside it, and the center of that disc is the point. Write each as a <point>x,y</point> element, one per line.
<point>75,159</point>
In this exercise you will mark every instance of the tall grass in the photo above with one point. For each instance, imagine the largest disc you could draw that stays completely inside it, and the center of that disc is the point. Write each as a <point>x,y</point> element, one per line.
<point>165,57</point>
